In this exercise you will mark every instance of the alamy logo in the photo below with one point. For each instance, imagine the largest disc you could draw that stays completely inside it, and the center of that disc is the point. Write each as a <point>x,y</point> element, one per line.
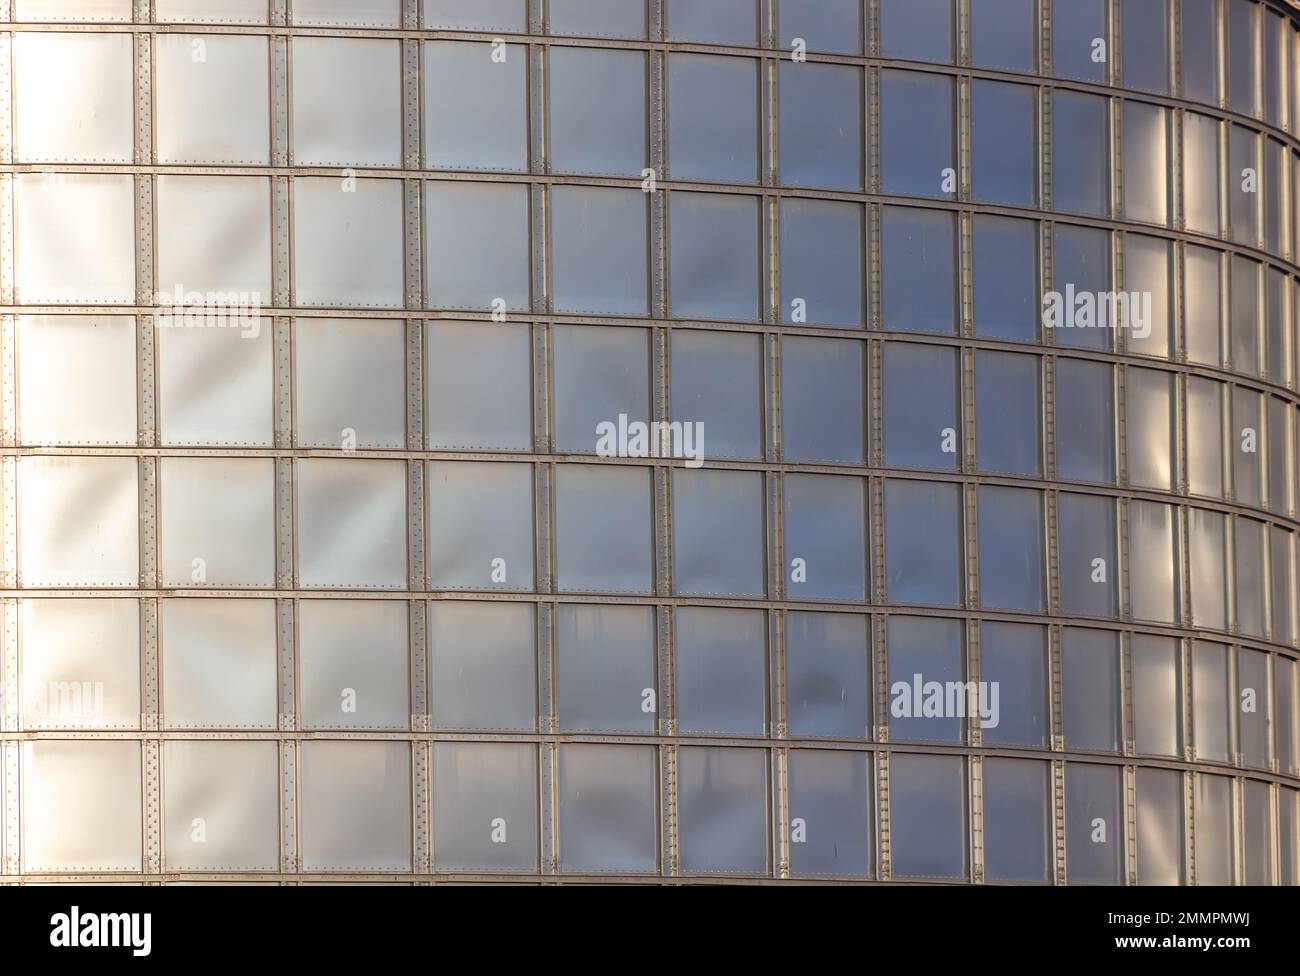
<point>945,699</point>
<point>102,930</point>
<point>637,439</point>
<point>1098,310</point>
<point>73,701</point>
<point>181,309</point>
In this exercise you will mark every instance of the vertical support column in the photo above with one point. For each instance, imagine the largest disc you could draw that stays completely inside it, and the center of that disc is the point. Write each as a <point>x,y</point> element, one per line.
<point>1122,560</point>
<point>966,271</point>
<point>548,808</point>
<point>150,699</point>
<point>876,490</point>
<point>421,786</point>
<point>8,403</point>
<point>1230,588</point>
<point>666,703</point>
<point>876,409</point>
<point>282,341</point>
<point>1116,156</point>
<point>974,732</point>
<point>781,810</point>
<point>281,280</point>
<point>412,142</point>
<point>539,150</point>
<point>545,669</point>
<point>767,23</point>
<point>414,258</point>
<point>417,579</point>
<point>967,419</point>
<point>1121,425</point>
<point>873,157</point>
<point>1130,824</point>
<point>285,577</point>
<point>772,299</point>
<point>770,163</point>
<point>776,536</point>
<point>663,477</point>
<point>1189,697</point>
<point>769,172</point>
<point>543,479</point>
<point>1052,502</point>
<point>146,388</point>
<point>876,274</point>
<point>152,755</point>
<point>660,391</point>
<point>1182,528</point>
<point>663,530</point>
<point>6,97</point>
<point>668,812</point>
<point>414,385</point>
<point>10,706</point>
<point>143,43</point>
<point>1182,469</point>
<point>880,664</point>
<point>962,163</point>
<point>970,495</point>
<point>778,720</point>
<point>1176,175</point>
<point>9,575</point>
<point>548,758</point>
<point>144,224</point>
<point>419,636</point>
<point>1049,416</point>
<point>416,558</point>
<point>144,240</point>
<point>773,448</point>
<point>1045,135</point>
<point>284,646</point>
<point>963,32</point>
<point>6,187</point>
<point>8,473</point>
<point>539,195</point>
<point>8,288</point>
<point>967,381</point>
<point>281,272</point>
<point>882,817</point>
<point>289,863</point>
<point>10,841</point>
<point>287,724</point>
<point>657,198</point>
<point>1058,822</point>
<point>280,149</point>
<point>542,440</point>
<point>539,161</point>
<point>1045,40</point>
<point>1175,41</point>
<point>151,747</point>
<point>976,765</point>
<point>412,222</point>
<point>1127,723</point>
<point>148,495</point>
<point>1054,666</point>
<point>1224,181</point>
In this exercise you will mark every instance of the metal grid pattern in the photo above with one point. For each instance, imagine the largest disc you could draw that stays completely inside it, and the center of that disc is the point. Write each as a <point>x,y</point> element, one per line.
<point>411,792</point>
